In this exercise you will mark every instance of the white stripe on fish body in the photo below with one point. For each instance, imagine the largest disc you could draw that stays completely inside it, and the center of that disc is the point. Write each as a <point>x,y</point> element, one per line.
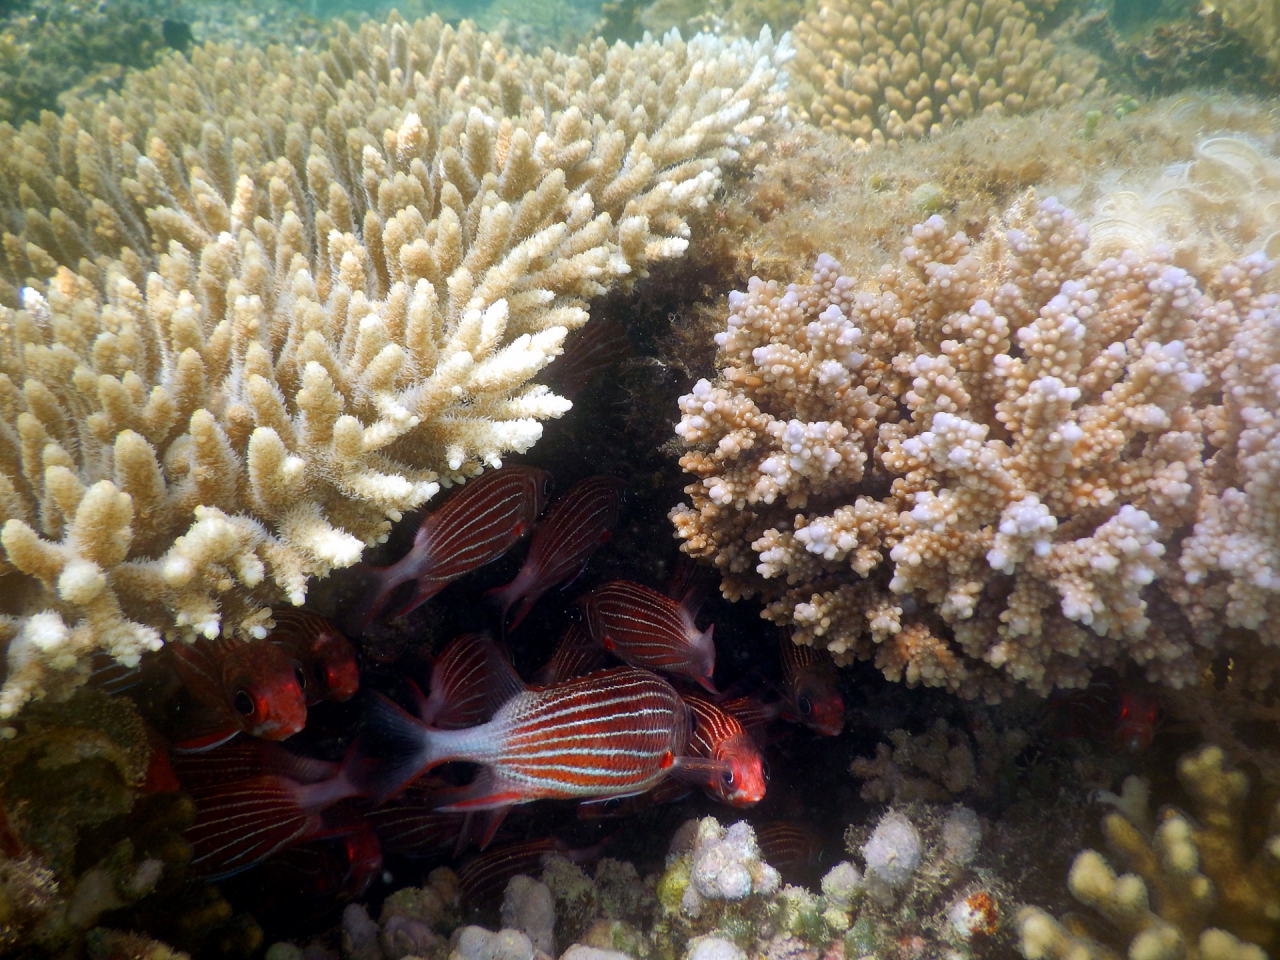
<point>592,725</point>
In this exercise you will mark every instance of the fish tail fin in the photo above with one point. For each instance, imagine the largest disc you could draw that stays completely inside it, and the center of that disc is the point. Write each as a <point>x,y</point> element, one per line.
<point>405,747</point>
<point>503,598</point>
<point>706,647</point>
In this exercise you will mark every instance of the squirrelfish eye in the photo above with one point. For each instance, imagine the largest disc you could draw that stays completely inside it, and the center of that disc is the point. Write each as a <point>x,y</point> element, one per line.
<point>805,706</point>
<point>727,777</point>
<point>243,703</point>
<point>322,675</point>
<point>300,675</point>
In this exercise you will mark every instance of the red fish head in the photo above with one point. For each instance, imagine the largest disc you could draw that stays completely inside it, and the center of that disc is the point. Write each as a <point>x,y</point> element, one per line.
<point>821,708</point>
<point>333,667</point>
<point>1138,715</point>
<point>263,688</point>
<point>743,782</point>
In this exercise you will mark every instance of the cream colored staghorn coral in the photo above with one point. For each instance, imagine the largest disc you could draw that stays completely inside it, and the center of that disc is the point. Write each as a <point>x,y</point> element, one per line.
<point>973,469</point>
<point>274,300</point>
<point>880,71</point>
<point>1198,889</point>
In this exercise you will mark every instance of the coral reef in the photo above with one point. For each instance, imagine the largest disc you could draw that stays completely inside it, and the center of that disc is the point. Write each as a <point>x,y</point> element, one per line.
<point>1202,885</point>
<point>1256,21</point>
<point>940,764</point>
<point>972,468</point>
<point>82,833</point>
<point>275,300</point>
<point>885,72</point>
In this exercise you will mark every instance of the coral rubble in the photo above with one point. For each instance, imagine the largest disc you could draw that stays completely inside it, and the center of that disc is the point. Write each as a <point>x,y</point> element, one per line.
<point>975,468</point>
<point>884,72</point>
<point>260,304</point>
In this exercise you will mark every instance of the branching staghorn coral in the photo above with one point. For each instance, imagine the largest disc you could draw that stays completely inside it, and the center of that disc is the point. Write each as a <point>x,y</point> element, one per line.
<point>881,71</point>
<point>974,468</point>
<point>269,302</point>
<point>1199,888</point>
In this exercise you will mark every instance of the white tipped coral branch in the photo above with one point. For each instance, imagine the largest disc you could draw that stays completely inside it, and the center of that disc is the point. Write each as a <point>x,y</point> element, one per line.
<point>259,305</point>
<point>980,466</point>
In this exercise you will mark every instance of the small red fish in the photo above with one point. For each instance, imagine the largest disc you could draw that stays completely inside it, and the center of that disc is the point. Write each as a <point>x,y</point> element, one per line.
<point>575,526</point>
<point>327,660</point>
<point>737,776</point>
<point>575,656</point>
<point>1113,714</point>
<point>247,809</point>
<point>646,629</point>
<point>410,823</point>
<point>251,685</point>
<point>1137,717</point>
<point>475,526</point>
<point>611,733</point>
<point>811,689</point>
<point>589,352</point>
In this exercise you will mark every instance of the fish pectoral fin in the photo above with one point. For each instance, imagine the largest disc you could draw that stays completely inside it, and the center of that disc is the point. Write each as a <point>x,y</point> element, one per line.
<point>700,770</point>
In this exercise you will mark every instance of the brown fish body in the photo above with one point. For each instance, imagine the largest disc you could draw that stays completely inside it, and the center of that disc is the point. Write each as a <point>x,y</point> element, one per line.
<point>252,684</point>
<point>573,529</point>
<point>644,628</point>
<point>475,526</point>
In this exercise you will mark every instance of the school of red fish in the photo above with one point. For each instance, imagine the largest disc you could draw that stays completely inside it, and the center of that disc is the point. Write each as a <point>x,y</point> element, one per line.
<point>624,715</point>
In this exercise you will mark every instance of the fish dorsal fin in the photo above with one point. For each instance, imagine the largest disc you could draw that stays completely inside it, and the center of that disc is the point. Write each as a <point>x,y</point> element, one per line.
<point>471,680</point>
<point>242,823</point>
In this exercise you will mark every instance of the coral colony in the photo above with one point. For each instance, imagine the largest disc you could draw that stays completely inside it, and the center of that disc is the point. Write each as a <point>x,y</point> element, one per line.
<point>380,413</point>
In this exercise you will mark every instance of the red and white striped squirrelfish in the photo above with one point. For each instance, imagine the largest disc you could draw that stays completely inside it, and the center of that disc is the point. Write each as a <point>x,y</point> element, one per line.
<point>475,526</point>
<point>811,689</point>
<point>611,733</point>
<point>251,685</point>
<point>329,670</point>
<point>646,629</point>
<point>253,800</point>
<point>575,526</point>
<point>716,735</point>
